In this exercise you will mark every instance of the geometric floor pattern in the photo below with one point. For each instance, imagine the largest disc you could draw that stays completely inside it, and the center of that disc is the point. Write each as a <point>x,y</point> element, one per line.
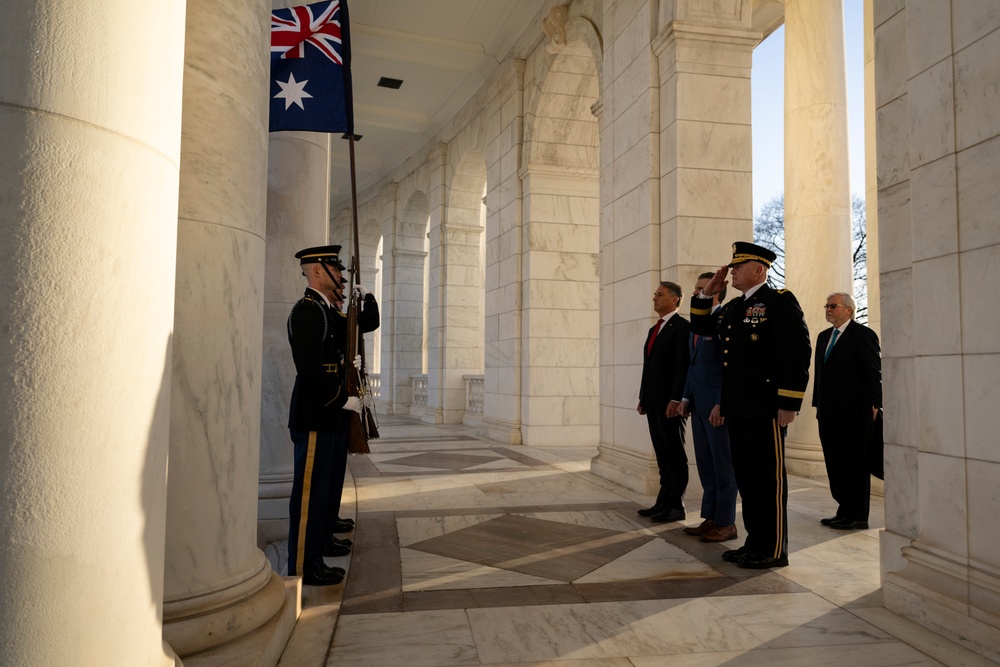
<point>467,552</point>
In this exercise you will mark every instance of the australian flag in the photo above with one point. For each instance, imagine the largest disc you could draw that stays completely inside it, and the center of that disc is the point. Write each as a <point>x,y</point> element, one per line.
<point>311,69</point>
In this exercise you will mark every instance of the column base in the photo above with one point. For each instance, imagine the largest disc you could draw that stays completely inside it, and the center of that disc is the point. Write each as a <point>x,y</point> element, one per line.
<point>951,598</point>
<point>262,647</point>
<point>804,459</point>
<point>204,622</point>
<point>499,431</point>
<point>628,469</point>
<point>273,496</point>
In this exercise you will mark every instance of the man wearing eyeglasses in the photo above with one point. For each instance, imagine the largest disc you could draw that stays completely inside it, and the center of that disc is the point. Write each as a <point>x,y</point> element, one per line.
<point>847,395</point>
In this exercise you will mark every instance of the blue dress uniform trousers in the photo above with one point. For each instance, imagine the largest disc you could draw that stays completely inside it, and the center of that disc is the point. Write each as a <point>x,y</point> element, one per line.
<point>320,464</point>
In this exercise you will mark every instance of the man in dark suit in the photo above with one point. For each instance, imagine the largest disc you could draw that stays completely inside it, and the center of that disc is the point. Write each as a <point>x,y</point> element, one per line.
<point>664,369</point>
<point>316,421</point>
<point>702,399</point>
<point>847,395</point>
<point>765,370</point>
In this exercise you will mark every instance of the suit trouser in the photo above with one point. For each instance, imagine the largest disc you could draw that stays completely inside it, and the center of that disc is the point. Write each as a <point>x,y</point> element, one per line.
<point>312,485</point>
<point>714,457</point>
<point>758,447</point>
<point>667,435</point>
<point>844,437</point>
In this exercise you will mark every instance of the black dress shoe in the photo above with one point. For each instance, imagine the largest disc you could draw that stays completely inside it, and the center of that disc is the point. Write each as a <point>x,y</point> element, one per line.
<point>830,519</point>
<point>755,562</point>
<point>668,516</point>
<point>343,526</point>
<point>734,555</point>
<point>650,511</point>
<point>847,524</point>
<point>339,570</point>
<point>321,576</point>
<point>348,520</point>
<point>332,550</point>
<point>343,541</point>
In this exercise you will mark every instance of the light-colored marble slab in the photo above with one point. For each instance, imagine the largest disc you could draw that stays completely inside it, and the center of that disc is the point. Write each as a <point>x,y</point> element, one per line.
<point>411,530</point>
<point>604,630</point>
<point>797,619</point>
<point>414,639</point>
<point>892,654</point>
<point>654,560</point>
<point>310,638</point>
<point>592,518</point>
<point>429,572</point>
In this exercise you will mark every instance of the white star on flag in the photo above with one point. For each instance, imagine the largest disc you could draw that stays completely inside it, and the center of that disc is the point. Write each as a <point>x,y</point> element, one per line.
<point>293,92</point>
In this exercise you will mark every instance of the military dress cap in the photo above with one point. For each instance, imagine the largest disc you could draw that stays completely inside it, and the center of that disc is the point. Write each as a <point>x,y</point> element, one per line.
<point>323,254</point>
<point>750,252</point>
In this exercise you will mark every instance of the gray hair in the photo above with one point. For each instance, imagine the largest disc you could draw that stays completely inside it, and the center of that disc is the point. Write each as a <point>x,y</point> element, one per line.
<point>848,301</point>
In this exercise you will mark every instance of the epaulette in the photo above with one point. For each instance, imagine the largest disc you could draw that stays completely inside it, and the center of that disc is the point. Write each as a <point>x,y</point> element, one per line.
<point>781,291</point>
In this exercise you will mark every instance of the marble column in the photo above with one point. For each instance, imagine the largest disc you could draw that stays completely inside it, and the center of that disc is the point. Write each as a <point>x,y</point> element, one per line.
<point>871,179</point>
<point>455,336</point>
<point>402,325</point>
<point>297,205</point>
<point>219,587</point>
<point>88,223</point>
<point>677,196</point>
<point>817,186</point>
<point>502,357</point>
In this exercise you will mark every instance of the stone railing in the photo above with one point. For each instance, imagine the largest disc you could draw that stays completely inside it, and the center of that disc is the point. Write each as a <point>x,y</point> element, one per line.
<point>375,384</point>
<point>419,386</point>
<point>473,394</point>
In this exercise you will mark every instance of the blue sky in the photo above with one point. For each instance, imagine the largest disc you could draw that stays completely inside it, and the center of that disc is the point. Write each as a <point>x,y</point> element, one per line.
<point>768,110</point>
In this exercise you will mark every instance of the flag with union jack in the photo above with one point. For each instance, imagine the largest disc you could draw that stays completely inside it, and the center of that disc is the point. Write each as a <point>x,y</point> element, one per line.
<point>311,69</point>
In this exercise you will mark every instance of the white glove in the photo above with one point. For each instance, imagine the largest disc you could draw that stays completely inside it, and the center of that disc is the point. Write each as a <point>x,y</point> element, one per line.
<point>353,404</point>
<point>368,401</point>
<point>361,291</point>
<point>357,362</point>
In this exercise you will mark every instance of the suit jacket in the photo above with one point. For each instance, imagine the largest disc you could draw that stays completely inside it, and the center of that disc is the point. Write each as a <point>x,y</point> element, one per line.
<point>664,368</point>
<point>851,377</point>
<point>766,351</point>
<point>318,396</point>
<point>703,389</point>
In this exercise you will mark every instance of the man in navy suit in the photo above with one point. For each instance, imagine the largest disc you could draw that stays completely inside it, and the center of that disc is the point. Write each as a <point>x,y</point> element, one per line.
<point>847,395</point>
<point>665,360</point>
<point>702,400</point>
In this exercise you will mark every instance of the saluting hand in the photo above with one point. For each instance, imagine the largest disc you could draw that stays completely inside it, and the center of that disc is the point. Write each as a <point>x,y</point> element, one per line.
<point>717,283</point>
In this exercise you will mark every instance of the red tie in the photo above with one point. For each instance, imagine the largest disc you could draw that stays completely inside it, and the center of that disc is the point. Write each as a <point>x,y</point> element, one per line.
<point>656,330</point>
<point>696,340</point>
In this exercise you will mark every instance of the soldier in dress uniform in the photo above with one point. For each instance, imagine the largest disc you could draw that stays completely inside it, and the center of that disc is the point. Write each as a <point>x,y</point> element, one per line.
<point>766,354</point>
<point>317,420</point>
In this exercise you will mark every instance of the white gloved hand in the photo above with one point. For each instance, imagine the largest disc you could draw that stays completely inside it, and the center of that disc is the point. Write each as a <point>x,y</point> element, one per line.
<point>361,291</point>
<point>353,404</point>
<point>357,362</point>
<point>368,401</point>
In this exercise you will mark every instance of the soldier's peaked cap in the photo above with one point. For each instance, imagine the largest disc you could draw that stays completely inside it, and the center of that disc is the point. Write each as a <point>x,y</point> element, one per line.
<point>323,254</point>
<point>750,252</point>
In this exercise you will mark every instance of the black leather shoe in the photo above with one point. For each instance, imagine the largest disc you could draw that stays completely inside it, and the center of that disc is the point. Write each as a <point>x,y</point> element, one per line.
<point>830,519</point>
<point>317,576</point>
<point>847,524</point>
<point>650,511</point>
<point>755,562</point>
<point>332,550</point>
<point>343,541</point>
<point>339,570</point>
<point>734,555</point>
<point>669,516</point>
<point>343,526</point>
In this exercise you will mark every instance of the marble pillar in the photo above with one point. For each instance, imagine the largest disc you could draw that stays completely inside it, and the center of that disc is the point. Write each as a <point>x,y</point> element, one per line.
<point>678,194</point>
<point>502,356</point>
<point>871,179</point>
<point>455,335</point>
<point>88,220</point>
<point>297,205</point>
<point>402,325</point>
<point>936,72</point>
<point>219,587</point>
<point>817,186</point>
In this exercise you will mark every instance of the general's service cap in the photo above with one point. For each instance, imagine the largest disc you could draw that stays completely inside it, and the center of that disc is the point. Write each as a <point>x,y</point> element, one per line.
<point>750,252</point>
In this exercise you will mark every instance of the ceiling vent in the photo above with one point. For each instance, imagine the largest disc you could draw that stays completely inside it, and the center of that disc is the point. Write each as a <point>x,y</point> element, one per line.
<point>386,82</point>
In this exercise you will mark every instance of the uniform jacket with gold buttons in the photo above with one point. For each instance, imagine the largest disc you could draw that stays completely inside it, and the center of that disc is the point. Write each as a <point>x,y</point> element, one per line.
<point>318,396</point>
<point>765,351</point>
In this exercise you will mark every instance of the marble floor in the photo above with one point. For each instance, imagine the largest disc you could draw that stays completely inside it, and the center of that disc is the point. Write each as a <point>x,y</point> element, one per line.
<point>472,553</point>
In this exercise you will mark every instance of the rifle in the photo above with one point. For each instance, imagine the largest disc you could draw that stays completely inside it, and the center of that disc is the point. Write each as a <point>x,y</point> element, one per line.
<point>360,428</point>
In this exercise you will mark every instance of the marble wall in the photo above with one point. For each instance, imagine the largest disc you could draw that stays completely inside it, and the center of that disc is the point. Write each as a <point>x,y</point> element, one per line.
<point>938,157</point>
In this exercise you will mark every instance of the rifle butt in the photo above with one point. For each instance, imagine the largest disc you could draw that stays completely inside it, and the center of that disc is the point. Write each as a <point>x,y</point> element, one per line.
<point>357,441</point>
